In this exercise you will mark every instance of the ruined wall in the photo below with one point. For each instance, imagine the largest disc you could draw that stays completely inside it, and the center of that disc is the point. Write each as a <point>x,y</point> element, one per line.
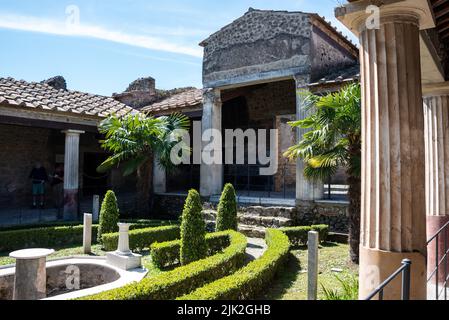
<point>260,45</point>
<point>327,55</point>
<point>20,148</point>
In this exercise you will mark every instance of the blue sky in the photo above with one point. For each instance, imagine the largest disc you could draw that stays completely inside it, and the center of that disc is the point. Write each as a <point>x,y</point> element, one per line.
<point>118,41</point>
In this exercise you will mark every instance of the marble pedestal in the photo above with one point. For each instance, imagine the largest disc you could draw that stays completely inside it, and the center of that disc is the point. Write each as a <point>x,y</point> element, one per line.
<point>123,258</point>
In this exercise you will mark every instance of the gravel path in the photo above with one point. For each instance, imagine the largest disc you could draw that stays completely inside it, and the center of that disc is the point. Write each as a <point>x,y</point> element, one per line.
<point>256,248</point>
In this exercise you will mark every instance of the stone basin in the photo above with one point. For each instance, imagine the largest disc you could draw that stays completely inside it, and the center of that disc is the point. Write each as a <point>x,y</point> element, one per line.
<point>75,277</point>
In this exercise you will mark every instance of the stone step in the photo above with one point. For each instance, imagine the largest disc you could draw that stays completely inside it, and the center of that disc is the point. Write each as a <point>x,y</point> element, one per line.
<point>267,222</point>
<point>281,212</point>
<point>252,231</point>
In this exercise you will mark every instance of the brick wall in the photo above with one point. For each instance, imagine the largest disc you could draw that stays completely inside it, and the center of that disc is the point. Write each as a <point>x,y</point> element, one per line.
<point>21,147</point>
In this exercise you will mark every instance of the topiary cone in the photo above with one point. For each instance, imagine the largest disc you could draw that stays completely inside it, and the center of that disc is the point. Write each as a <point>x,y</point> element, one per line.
<point>109,215</point>
<point>227,210</point>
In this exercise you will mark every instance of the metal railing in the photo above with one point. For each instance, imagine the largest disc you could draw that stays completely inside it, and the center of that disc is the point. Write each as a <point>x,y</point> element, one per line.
<point>441,262</point>
<point>405,271</point>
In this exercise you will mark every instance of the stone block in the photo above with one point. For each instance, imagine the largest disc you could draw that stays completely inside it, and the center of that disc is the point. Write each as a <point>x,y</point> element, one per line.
<point>127,262</point>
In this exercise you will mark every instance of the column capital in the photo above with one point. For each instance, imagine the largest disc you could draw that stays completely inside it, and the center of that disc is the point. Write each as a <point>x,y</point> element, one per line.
<point>302,81</point>
<point>212,94</point>
<point>436,89</point>
<point>73,132</point>
<point>357,14</point>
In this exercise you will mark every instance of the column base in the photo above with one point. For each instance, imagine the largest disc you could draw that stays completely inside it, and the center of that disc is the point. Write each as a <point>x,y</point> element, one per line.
<point>70,205</point>
<point>434,224</point>
<point>376,266</point>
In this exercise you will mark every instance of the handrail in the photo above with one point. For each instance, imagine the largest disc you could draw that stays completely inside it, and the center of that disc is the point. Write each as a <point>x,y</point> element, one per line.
<point>441,260</point>
<point>405,270</point>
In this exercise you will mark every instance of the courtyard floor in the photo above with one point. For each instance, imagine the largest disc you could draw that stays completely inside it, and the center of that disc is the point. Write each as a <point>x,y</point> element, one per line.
<point>291,282</point>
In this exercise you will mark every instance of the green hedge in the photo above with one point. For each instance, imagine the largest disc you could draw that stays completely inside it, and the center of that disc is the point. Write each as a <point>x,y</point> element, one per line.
<point>51,237</point>
<point>168,253</point>
<point>299,235</point>
<point>185,279</point>
<point>57,236</point>
<point>141,239</point>
<point>249,281</point>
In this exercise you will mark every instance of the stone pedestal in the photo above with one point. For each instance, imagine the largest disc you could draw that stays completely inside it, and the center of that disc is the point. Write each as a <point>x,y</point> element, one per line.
<point>30,280</point>
<point>123,258</point>
<point>71,174</point>
<point>87,233</point>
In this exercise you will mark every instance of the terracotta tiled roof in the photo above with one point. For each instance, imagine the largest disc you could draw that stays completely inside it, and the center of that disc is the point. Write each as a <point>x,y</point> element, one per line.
<point>19,93</point>
<point>187,99</point>
<point>347,74</point>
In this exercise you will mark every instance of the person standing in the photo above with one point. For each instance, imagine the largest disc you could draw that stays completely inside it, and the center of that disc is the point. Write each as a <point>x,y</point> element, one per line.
<point>57,184</point>
<point>39,177</point>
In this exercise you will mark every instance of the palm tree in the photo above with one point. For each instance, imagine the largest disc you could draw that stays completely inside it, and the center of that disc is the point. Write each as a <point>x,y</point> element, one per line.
<point>333,140</point>
<point>135,140</point>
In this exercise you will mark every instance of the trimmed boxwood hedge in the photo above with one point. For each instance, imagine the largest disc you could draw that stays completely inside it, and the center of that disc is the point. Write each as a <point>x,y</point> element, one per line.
<point>185,279</point>
<point>298,236</point>
<point>249,281</point>
<point>141,239</point>
<point>168,253</point>
<point>57,236</point>
<point>53,237</point>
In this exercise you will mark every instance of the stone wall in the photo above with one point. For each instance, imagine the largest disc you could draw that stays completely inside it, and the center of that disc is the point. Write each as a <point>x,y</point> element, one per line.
<point>21,148</point>
<point>334,214</point>
<point>286,176</point>
<point>260,45</point>
<point>327,55</point>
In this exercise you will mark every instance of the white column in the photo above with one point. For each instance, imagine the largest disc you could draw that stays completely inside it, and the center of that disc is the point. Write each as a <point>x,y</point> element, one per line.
<point>306,190</point>
<point>212,175</point>
<point>71,173</point>
<point>159,178</point>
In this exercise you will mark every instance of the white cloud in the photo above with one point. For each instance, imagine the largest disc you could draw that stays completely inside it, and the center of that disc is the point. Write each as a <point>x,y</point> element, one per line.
<point>33,24</point>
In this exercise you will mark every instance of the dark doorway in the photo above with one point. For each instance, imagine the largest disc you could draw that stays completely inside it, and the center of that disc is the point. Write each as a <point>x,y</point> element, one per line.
<point>94,182</point>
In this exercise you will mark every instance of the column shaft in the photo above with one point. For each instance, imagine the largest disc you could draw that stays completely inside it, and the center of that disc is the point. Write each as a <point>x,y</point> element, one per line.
<point>436,115</point>
<point>393,163</point>
<point>305,190</point>
<point>212,174</point>
<point>71,174</point>
<point>159,178</point>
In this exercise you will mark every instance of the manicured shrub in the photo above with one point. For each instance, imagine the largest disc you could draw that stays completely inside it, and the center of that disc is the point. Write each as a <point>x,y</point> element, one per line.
<point>50,237</point>
<point>185,279</point>
<point>298,236</point>
<point>64,235</point>
<point>168,253</point>
<point>109,215</point>
<point>193,230</point>
<point>246,283</point>
<point>227,210</point>
<point>141,239</point>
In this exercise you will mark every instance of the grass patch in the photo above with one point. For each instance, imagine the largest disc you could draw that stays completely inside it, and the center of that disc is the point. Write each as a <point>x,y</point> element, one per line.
<point>291,282</point>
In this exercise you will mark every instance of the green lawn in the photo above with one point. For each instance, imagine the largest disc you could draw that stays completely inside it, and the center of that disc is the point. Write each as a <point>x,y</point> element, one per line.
<point>78,251</point>
<point>291,282</point>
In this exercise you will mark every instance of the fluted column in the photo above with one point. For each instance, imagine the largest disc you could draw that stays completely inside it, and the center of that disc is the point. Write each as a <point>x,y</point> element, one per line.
<point>436,114</point>
<point>212,173</point>
<point>71,173</point>
<point>306,190</point>
<point>393,162</point>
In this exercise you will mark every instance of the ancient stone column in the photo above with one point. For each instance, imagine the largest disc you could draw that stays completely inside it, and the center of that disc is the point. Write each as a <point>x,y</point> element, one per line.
<point>306,190</point>
<point>436,114</point>
<point>212,173</point>
<point>71,173</point>
<point>159,178</point>
<point>87,233</point>
<point>393,223</point>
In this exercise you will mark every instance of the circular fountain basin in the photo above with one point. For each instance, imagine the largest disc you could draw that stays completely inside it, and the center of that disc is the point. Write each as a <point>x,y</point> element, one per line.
<point>75,277</point>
